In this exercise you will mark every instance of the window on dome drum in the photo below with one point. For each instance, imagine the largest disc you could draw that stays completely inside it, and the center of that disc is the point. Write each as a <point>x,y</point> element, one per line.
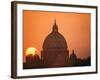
<point>53,39</point>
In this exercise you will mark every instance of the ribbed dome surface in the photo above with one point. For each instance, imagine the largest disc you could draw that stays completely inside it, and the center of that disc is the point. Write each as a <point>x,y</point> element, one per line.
<point>54,41</point>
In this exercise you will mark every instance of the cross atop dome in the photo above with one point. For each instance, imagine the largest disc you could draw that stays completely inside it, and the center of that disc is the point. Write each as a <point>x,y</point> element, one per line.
<point>55,27</point>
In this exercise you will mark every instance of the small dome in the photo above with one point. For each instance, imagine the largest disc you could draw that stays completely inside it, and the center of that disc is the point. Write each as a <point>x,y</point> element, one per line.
<point>73,56</point>
<point>54,40</point>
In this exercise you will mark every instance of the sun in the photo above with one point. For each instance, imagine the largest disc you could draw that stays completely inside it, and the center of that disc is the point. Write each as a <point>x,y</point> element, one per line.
<point>31,50</point>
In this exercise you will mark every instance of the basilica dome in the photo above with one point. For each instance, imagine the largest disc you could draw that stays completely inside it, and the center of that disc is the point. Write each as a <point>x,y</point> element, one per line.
<point>54,40</point>
<point>54,51</point>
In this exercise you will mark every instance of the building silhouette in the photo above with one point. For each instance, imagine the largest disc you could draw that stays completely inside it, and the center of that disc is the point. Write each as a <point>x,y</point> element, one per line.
<point>32,62</point>
<point>55,53</point>
<point>73,59</point>
<point>55,49</point>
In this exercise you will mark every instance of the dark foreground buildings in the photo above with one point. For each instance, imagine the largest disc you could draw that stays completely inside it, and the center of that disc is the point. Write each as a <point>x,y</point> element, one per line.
<point>55,53</point>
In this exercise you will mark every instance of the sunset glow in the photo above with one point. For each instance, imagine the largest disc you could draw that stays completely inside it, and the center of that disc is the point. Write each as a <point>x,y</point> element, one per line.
<point>75,27</point>
<point>31,50</point>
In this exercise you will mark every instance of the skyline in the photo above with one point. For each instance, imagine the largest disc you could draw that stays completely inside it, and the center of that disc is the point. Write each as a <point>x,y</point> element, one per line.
<point>75,27</point>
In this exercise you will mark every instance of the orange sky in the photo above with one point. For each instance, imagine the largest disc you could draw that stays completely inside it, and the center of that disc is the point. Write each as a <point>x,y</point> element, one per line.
<point>75,27</point>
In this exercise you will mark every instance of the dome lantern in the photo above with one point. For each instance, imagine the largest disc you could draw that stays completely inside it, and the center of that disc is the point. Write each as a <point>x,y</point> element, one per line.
<point>55,27</point>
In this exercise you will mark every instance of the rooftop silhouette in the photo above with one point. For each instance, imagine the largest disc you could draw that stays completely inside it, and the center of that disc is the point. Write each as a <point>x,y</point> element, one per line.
<point>55,53</point>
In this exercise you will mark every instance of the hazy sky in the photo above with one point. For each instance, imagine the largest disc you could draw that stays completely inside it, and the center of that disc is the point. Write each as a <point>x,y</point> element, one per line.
<point>75,27</point>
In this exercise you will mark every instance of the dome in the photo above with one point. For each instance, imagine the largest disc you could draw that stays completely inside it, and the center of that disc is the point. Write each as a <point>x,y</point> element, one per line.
<point>54,53</point>
<point>54,40</point>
